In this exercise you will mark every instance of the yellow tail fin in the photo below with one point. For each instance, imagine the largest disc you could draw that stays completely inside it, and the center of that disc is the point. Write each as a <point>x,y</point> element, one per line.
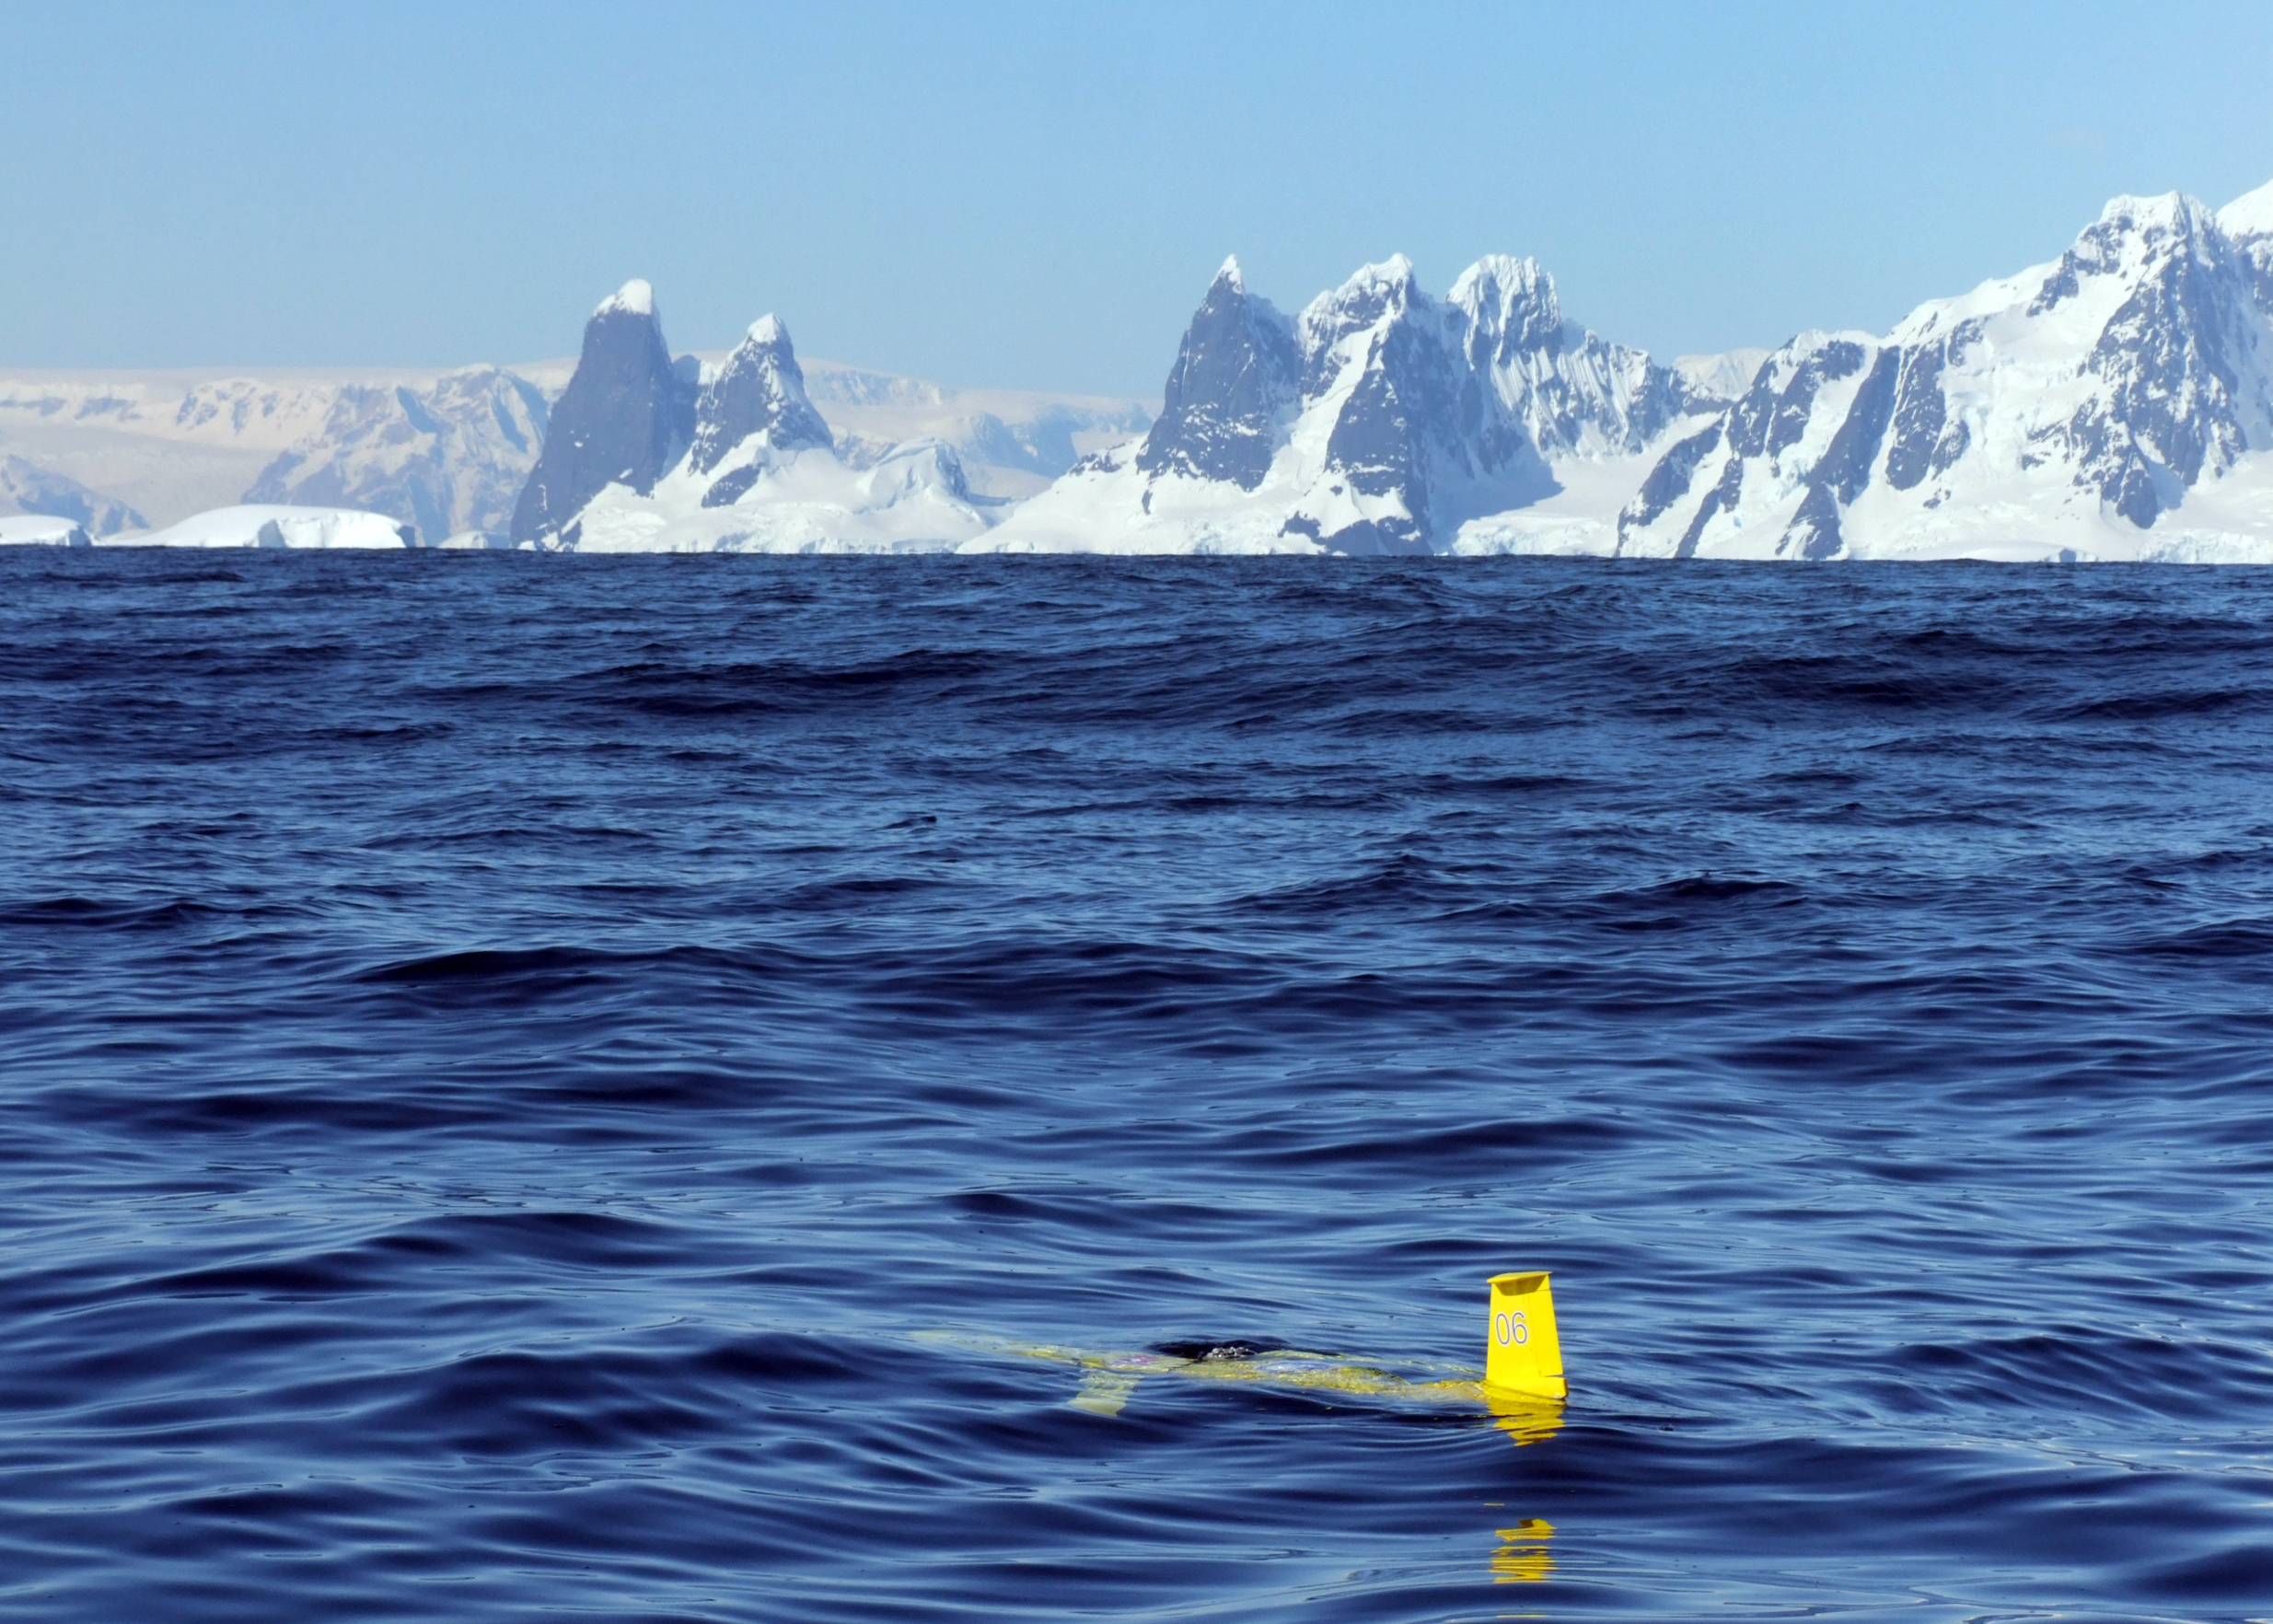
<point>1523,1354</point>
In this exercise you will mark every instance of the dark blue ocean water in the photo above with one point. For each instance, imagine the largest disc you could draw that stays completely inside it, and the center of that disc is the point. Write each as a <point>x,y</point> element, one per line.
<point>508,1063</point>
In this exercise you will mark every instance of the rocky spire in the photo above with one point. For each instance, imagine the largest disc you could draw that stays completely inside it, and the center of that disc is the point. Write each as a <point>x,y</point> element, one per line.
<point>1234,377</point>
<point>619,422</point>
<point>759,391</point>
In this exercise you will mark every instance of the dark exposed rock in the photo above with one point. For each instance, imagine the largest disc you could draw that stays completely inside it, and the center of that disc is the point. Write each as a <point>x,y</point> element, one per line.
<point>1722,496</point>
<point>1232,386</point>
<point>1814,533</point>
<point>1420,424</point>
<point>1669,478</point>
<point>2177,386</point>
<point>1845,467</point>
<point>1920,415</point>
<point>758,390</point>
<point>1771,416</point>
<point>731,486</point>
<point>2168,354</point>
<point>621,421</point>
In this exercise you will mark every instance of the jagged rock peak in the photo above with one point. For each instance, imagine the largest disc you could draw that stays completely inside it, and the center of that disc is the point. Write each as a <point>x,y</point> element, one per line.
<point>2091,396</point>
<point>620,422</point>
<point>1380,421</point>
<point>1511,300</point>
<point>1233,383</point>
<point>760,391</point>
<point>1396,272</point>
<point>1375,291</point>
<point>2129,230</point>
<point>2170,210</point>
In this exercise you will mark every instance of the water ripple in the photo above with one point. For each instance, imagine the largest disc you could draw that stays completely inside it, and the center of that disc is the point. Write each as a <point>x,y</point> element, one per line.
<point>560,1087</point>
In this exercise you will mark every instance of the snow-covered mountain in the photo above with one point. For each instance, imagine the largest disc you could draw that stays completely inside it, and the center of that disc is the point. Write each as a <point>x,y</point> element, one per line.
<point>2114,403</point>
<point>648,454</point>
<point>26,488</point>
<point>437,450</point>
<point>449,458</point>
<point>1380,419</point>
<point>446,452</point>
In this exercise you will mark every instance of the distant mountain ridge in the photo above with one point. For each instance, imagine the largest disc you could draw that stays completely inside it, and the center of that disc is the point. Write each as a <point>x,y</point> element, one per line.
<point>444,459</point>
<point>2117,402</point>
<point>653,454</point>
<point>1380,419</point>
<point>2114,403</point>
<point>446,452</point>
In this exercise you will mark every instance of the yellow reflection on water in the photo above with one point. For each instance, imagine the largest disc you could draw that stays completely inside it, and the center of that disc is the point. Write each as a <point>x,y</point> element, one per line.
<point>1524,1557</point>
<point>1526,1421</point>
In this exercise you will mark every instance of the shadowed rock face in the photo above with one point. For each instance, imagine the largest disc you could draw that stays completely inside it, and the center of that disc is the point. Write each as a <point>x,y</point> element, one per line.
<point>1420,421</point>
<point>620,420</point>
<point>2173,359</point>
<point>1413,412</point>
<point>1573,391</point>
<point>1233,381</point>
<point>759,391</point>
<point>1405,416</point>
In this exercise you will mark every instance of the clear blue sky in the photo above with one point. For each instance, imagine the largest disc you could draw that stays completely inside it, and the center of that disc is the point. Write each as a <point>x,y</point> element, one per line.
<point>1033,195</point>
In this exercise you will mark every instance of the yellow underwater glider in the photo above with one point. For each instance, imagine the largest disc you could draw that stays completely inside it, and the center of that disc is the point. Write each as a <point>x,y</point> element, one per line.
<point>1522,1383</point>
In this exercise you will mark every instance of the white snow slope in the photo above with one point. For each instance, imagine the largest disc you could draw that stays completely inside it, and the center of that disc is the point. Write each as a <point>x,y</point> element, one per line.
<point>37,530</point>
